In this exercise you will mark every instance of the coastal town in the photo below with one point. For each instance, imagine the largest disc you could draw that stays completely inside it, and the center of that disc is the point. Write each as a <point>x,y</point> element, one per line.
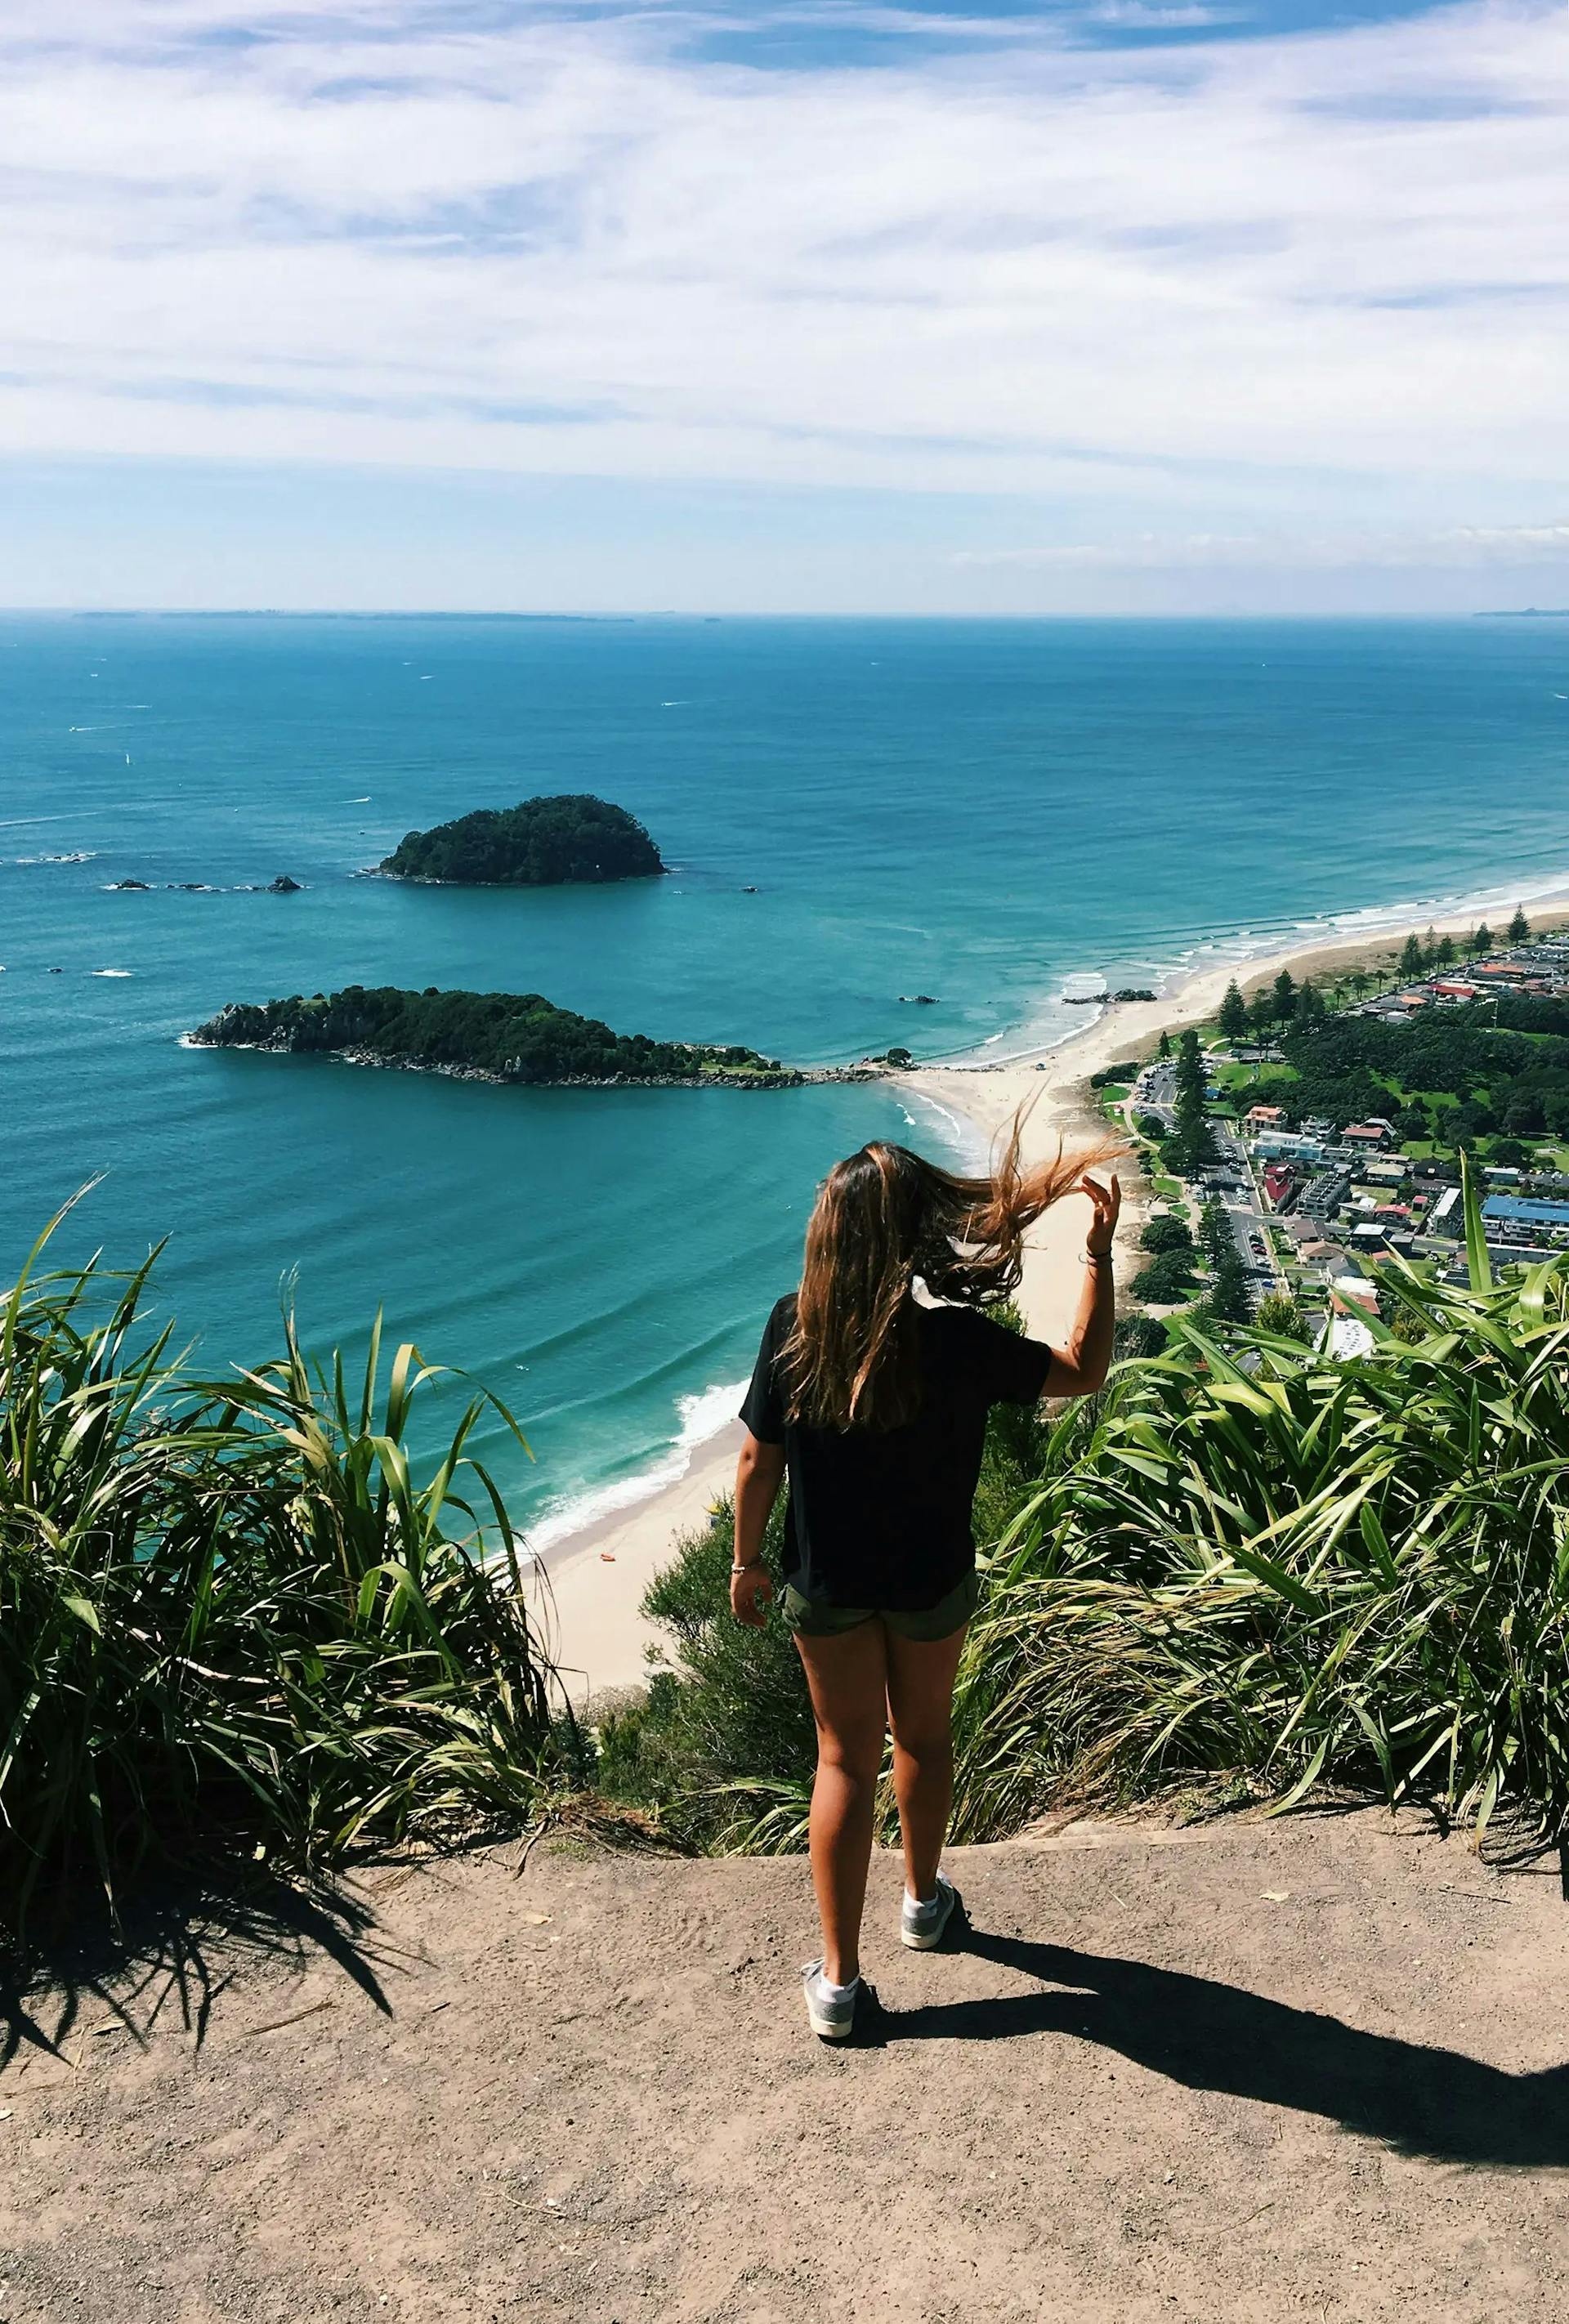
<point>1298,1208</point>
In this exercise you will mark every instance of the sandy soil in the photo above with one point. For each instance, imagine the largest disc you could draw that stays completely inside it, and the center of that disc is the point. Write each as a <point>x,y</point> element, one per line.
<point>1309,2070</point>
<point>590,1585</point>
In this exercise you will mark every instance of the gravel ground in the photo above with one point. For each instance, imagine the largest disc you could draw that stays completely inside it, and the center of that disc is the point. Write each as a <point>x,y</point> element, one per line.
<point>1300,2069</point>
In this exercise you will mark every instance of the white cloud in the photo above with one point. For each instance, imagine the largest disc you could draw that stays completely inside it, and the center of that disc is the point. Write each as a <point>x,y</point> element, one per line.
<point>1460,548</point>
<point>1294,272</point>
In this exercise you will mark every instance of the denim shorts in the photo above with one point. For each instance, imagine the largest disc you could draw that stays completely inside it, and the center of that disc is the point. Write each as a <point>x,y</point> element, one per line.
<point>809,1618</point>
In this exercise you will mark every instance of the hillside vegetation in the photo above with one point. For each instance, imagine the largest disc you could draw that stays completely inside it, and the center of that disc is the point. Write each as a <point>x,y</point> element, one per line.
<point>541,843</point>
<point>1502,1065</point>
<point>507,1037</point>
<point>1243,1565</point>
<point>232,1619</point>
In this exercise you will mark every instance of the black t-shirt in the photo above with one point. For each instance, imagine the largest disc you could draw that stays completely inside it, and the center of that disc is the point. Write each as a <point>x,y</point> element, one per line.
<point>881,1516</point>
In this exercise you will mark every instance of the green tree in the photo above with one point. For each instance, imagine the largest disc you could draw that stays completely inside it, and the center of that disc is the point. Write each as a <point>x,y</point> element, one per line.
<point>1280,1313</point>
<point>1165,1048</point>
<point>1430,948</point>
<point>1520,927</point>
<point>1285,995</point>
<point>1480,940</point>
<point>1310,1006</point>
<point>1193,1143</point>
<point>1166,1234</point>
<point>1359,981</point>
<point>1261,1011</point>
<point>1166,1279</point>
<point>1234,1015</point>
<point>1411,960</point>
<point>1228,1291</point>
<point>1444,955</point>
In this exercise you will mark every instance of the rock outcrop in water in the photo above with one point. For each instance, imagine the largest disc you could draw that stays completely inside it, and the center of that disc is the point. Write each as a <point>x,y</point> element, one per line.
<point>500,1037</point>
<point>541,843</point>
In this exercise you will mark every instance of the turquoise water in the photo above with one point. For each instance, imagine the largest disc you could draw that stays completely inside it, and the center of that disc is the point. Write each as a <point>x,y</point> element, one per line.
<point>974,810</point>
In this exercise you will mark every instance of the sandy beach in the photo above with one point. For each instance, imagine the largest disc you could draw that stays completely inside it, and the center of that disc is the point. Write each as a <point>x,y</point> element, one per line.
<point>590,1585</point>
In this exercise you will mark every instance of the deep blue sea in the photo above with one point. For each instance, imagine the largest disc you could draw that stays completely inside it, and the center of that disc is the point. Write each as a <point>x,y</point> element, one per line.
<point>970,809</point>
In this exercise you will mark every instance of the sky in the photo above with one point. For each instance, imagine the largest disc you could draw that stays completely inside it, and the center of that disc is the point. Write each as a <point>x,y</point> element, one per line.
<point>789,306</point>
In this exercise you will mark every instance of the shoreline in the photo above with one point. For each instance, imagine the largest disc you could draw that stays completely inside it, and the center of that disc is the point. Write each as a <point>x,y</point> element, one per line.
<point>587,1586</point>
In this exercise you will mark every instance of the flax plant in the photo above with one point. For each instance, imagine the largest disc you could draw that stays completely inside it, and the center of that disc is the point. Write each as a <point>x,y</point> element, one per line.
<point>1251,1560</point>
<point>230,1614</point>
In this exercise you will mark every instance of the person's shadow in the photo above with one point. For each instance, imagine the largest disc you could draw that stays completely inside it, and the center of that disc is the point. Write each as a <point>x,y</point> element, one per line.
<point>1211,2036</point>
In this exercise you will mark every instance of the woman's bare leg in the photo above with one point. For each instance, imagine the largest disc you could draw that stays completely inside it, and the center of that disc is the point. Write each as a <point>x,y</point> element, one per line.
<point>848,1679</point>
<point>921,1702</point>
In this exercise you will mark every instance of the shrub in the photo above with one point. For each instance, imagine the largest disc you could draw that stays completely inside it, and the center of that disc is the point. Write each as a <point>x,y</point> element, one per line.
<point>230,1619</point>
<point>1301,1570</point>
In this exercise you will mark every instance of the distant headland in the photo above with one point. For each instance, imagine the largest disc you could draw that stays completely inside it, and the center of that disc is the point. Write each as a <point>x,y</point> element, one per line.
<point>570,837</point>
<point>492,1037</point>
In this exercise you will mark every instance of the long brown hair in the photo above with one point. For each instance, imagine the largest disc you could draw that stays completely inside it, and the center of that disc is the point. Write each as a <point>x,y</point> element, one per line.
<point>883,1217</point>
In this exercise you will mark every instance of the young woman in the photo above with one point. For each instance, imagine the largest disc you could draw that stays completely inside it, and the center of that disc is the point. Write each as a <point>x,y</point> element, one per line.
<point>872,1389</point>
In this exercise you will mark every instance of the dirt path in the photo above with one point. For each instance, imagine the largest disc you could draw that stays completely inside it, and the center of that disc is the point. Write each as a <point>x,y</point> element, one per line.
<point>1308,2070</point>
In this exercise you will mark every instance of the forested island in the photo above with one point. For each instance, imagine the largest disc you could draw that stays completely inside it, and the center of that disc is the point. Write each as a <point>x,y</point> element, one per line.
<point>499,1036</point>
<point>541,842</point>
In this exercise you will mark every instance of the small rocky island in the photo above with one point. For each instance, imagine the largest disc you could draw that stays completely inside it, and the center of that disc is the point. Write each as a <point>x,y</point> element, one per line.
<point>541,842</point>
<point>494,1036</point>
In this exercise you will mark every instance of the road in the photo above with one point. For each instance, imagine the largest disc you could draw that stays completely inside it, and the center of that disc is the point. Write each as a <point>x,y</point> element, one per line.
<point>1232,1178</point>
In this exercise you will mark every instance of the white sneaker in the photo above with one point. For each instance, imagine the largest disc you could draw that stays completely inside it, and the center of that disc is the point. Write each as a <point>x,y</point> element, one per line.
<point>922,1927</point>
<point>830,2008</point>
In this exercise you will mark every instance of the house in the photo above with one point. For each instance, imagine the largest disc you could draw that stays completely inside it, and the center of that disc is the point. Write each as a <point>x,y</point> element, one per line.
<point>1515,1210</point>
<point>1451,988</point>
<point>1385,1170</point>
<point>1445,1216</point>
<point>1288,1146</point>
<point>1263,1117</point>
<point>1354,1291</point>
<point>1368,1133</point>
<point>1278,1181</point>
<point>1345,1337</point>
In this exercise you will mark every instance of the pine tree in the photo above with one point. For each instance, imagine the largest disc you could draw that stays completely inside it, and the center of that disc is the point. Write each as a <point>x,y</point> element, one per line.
<point>1284,994</point>
<point>1430,948</point>
<point>1481,940</point>
<point>1165,1048</point>
<point>1411,961</point>
<point>1445,953</point>
<point>1192,1144</point>
<point>1234,1016</point>
<point>1520,927</point>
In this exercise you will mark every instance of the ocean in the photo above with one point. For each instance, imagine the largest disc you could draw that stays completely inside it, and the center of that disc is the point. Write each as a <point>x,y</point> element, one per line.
<point>975,810</point>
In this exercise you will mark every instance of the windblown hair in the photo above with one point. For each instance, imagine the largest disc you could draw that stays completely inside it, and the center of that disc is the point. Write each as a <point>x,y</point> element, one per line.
<point>883,1217</point>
